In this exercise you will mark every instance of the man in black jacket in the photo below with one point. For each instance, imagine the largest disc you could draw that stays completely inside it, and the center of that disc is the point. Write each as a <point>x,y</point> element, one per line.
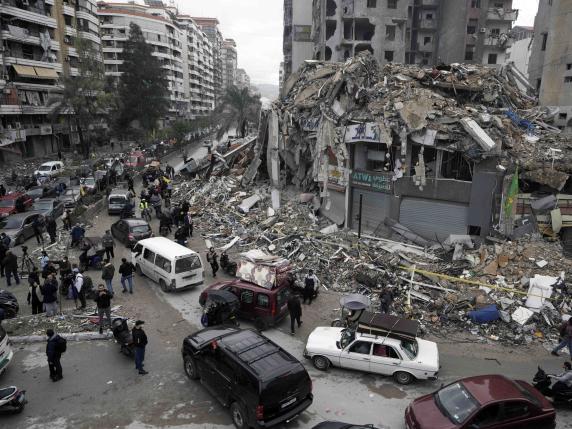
<point>295,310</point>
<point>126,270</point>
<point>140,342</point>
<point>52,228</point>
<point>103,300</point>
<point>10,263</point>
<point>54,356</point>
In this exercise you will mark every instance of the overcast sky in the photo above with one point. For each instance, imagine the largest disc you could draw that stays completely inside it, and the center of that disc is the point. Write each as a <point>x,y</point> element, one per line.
<point>256,25</point>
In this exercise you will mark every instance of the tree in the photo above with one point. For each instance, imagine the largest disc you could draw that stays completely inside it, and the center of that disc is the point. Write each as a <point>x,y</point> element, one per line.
<point>143,87</point>
<point>237,108</point>
<point>84,99</point>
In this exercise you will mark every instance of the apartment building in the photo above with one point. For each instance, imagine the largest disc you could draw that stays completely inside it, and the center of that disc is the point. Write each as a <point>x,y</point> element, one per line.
<point>425,32</point>
<point>229,63</point>
<point>242,79</point>
<point>297,42</point>
<point>210,26</point>
<point>37,39</point>
<point>550,68</point>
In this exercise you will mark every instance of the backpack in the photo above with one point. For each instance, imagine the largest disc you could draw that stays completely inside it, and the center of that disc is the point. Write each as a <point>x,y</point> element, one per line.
<point>61,344</point>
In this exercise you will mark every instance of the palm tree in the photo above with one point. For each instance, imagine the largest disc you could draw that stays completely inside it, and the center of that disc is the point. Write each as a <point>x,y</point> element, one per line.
<point>236,109</point>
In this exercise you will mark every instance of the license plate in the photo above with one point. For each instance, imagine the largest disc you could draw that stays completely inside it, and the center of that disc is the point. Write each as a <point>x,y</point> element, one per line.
<point>287,403</point>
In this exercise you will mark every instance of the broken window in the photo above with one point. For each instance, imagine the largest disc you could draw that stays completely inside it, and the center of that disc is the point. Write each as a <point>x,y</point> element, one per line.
<point>390,32</point>
<point>364,30</point>
<point>538,83</point>
<point>392,4</point>
<point>469,54</point>
<point>544,41</point>
<point>331,26</point>
<point>377,159</point>
<point>492,59</point>
<point>429,16</point>
<point>455,166</point>
<point>563,116</point>
<point>363,47</point>
<point>372,3</point>
<point>328,53</point>
<point>426,40</point>
<point>569,66</point>
<point>347,54</point>
<point>331,8</point>
<point>349,30</point>
<point>388,56</point>
<point>471,29</point>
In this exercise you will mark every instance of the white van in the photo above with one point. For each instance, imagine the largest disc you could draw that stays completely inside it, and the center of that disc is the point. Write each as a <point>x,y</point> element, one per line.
<point>52,168</point>
<point>6,353</point>
<point>168,263</point>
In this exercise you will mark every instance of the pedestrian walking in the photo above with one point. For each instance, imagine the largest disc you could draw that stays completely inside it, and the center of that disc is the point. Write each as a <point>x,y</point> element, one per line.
<point>67,220</point>
<point>51,227</point>
<point>310,284</point>
<point>77,233</point>
<point>181,235</point>
<point>565,332</point>
<point>189,223</point>
<point>35,298</point>
<point>212,259</point>
<point>37,227</point>
<point>140,342</point>
<point>155,201</point>
<point>107,273</point>
<point>126,270</point>
<point>130,185</point>
<point>295,310</point>
<point>79,290</point>
<point>3,250</point>
<point>10,263</point>
<point>50,293</point>
<point>108,243</point>
<point>55,347</point>
<point>103,301</point>
<point>385,300</point>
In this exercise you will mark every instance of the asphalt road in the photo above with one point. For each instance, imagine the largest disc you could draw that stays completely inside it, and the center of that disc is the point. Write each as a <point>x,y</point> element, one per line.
<point>101,388</point>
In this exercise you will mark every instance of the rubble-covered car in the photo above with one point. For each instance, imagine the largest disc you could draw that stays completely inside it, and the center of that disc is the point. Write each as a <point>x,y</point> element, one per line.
<point>398,353</point>
<point>15,202</point>
<point>19,226</point>
<point>71,197</point>
<point>491,401</point>
<point>261,383</point>
<point>49,207</point>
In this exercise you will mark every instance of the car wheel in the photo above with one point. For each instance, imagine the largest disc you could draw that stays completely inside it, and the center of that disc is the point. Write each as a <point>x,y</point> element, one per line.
<point>163,286</point>
<point>138,270</point>
<point>260,324</point>
<point>238,416</point>
<point>337,323</point>
<point>320,362</point>
<point>403,377</point>
<point>191,368</point>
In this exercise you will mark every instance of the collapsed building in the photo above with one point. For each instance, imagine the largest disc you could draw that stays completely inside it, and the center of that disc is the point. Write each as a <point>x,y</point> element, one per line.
<point>428,152</point>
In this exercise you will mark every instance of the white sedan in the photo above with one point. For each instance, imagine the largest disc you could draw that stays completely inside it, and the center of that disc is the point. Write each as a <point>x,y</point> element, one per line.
<point>405,360</point>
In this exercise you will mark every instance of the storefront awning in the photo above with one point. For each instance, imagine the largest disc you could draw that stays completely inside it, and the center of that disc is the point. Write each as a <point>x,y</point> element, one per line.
<point>25,71</point>
<point>45,73</point>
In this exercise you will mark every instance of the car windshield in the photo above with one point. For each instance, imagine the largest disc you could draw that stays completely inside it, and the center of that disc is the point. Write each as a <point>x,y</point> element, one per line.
<point>7,203</point>
<point>90,181</point>
<point>456,402</point>
<point>411,348</point>
<point>11,223</point>
<point>43,206</point>
<point>347,337</point>
<point>527,394</point>
<point>140,228</point>
<point>45,168</point>
<point>187,264</point>
<point>117,200</point>
<point>72,192</point>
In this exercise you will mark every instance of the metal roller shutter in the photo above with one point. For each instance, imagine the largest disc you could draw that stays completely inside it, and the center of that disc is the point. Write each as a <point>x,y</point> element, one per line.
<point>434,219</point>
<point>375,207</point>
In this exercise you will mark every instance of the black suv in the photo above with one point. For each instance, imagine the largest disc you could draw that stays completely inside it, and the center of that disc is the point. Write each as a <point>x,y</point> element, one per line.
<point>262,384</point>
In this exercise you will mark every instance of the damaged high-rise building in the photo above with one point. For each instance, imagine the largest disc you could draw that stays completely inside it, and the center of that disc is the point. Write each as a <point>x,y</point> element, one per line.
<point>424,32</point>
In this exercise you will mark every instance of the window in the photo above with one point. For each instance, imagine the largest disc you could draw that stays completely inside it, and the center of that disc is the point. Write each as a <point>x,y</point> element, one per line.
<point>388,55</point>
<point>392,4</point>
<point>247,296</point>
<point>361,347</point>
<point>492,59</point>
<point>515,409</point>
<point>262,300</point>
<point>390,32</point>
<point>499,5</point>
<point>487,416</point>
<point>457,403</point>
<point>187,264</point>
<point>538,83</point>
<point>544,41</point>
<point>569,66</point>
<point>568,79</point>
<point>429,16</point>
<point>163,263</point>
<point>281,297</point>
<point>563,116</point>
<point>469,55</point>
<point>426,40</point>
<point>495,32</point>
<point>148,255</point>
<point>476,4</point>
<point>372,3</point>
<point>385,351</point>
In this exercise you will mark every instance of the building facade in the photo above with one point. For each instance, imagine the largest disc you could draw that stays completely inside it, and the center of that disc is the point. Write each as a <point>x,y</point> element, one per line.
<point>38,39</point>
<point>424,32</point>
<point>550,68</point>
<point>210,26</point>
<point>242,79</point>
<point>229,63</point>
<point>297,42</point>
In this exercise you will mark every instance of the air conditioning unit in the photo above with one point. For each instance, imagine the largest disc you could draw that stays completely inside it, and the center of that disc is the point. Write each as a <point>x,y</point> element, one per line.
<point>18,125</point>
<point>67,39</point>
<point>483,30</point>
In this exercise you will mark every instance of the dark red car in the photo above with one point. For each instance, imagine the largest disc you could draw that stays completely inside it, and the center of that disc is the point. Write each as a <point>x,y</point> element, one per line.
<point>16,202</point>
<point>266,307</point>
<point>482,402</point>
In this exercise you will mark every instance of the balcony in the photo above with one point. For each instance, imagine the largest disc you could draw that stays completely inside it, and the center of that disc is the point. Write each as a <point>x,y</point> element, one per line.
<point>30,14</point>
<point>494,14</point>
<point>427,3</point>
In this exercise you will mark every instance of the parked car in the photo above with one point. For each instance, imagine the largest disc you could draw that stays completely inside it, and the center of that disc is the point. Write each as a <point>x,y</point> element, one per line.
<point>71,197</point>
<point>37,192</point>
<point>19,226</point>
<point>485,401</point>
<point>261,383</point>
<point>130,231</point>
<point>266,307</point>
<point>404,359</point>
<point>52,168</point>
<point>117,200</point>
<point>49,207</point>
<point>340,425</point>
<point>89,184</point>
<point>10,203</point>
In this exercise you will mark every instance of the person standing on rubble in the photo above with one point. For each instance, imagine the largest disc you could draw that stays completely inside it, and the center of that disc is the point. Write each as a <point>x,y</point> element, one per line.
<point>565,338</point>
<point>212,259</point>
<point>310,286</point>
<point>295,310</point>
<point>385,300</point>
<point>189,223</point>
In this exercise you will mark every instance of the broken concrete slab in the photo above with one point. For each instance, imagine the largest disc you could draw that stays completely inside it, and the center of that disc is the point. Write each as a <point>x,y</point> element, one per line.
<point>478,134</point>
